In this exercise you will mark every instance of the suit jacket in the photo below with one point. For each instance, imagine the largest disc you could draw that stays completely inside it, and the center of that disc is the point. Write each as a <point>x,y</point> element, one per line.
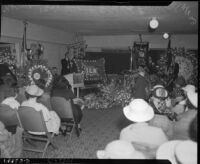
<point>68,66</point>
<point>140,88</point>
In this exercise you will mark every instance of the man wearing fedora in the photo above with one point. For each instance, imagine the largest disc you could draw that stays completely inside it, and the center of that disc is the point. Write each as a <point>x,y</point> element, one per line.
<point>140,133</point>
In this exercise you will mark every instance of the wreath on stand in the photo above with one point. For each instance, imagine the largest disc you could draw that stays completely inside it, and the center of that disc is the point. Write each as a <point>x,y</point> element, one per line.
<point>39,71</point>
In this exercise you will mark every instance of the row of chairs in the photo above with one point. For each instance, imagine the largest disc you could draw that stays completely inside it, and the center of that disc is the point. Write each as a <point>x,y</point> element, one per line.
<point>32,120</point>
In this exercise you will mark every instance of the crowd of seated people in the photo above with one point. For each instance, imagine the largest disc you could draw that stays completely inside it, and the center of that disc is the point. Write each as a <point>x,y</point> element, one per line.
<point>159,119</point>
<point>164,126</point>
<point>37,97</point>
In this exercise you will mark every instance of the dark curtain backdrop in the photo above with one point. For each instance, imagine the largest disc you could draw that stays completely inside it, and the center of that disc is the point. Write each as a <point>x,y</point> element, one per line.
<point>115,62</point>
<point>118,60</point>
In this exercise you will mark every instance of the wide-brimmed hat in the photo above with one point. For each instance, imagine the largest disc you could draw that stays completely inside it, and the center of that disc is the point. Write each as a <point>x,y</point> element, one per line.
<point>138,111</point>
<point>157,86</point>
<point>119,149</point>
<point>189,88</point>
<point>186,152</point>
<point>34,90</point>
<point>160,92</point>
<point>166,151</point>
<point>193,98</point>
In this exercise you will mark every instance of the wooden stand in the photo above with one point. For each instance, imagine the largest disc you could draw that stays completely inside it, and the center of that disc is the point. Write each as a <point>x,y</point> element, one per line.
<point>76,80</point>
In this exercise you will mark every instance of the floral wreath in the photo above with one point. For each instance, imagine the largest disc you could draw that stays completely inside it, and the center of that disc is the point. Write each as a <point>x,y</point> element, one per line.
<point>40,71</point>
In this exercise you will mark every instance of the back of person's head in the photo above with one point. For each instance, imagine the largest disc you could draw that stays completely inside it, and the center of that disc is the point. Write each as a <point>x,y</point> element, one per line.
<point>61,83</point>
<point>186,152</point>
<point>41,83</point>
<point>9,80</point>
<point>119,149</point>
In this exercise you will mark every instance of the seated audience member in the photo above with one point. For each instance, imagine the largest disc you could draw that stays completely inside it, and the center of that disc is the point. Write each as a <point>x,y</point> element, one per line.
<point>186,152</point>
<point>182,125</point>
<point>141,85</point>
<point>4,134</point>
<point>11,101</point>
<point>119,149</point>
<point>180,105</point>
<point>177,90</point>
<point>10,144</point>
<point>178,152</point>
<point>189,88</point>
<point>193,129</point>
<point>51,118</point>
<point>166,151</point>
<point>140,133</point>
<point>45,97</point>
<point>163,122</point>
<point>161,103</point>
<point>7,88</point>
<point>62,88</point>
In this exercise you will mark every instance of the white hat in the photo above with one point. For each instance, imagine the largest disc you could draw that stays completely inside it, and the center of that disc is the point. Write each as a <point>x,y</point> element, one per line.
<point>157,86</point>
<point>138,111</point>
<point>186,152</point>
<point>119,149</point>
<point>193,97</point>
<point>34,90</point>
<point>166,151</point>
<point>189,88</point>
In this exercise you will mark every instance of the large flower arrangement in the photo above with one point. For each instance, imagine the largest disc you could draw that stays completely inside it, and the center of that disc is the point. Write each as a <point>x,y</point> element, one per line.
<point>7,57</point>
<point>39,70</point>
<point>188,66</point>
<point>115,92</point>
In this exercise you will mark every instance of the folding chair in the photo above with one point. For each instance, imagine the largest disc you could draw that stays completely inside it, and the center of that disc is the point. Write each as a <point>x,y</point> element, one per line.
<point>33,121</point>
<point>64,110</point>
<point>9,117</point>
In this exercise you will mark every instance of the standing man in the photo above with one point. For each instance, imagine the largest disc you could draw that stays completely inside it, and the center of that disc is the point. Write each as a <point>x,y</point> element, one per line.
<point>68,64</point>
<point>141,85</point>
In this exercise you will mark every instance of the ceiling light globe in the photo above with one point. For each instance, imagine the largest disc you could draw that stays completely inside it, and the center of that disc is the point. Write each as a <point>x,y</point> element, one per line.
<point>154,23</point>
<point>165,35</point>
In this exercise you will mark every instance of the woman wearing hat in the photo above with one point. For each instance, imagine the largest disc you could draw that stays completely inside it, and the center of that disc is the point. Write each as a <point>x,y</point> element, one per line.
<point>180,101</point>
<point>178,152</point>
<point>119,149</point>
<point>33,92</point>
<point>182,125</point>
<point>161,103</point>
<point>140,133</point>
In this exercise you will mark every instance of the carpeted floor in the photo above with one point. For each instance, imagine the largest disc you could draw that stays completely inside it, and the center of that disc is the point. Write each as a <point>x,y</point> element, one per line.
<point>99,127</point>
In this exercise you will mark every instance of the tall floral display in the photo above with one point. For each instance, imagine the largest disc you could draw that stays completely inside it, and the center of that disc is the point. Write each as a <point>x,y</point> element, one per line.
<point>9,58</point>
<point>188,64</point>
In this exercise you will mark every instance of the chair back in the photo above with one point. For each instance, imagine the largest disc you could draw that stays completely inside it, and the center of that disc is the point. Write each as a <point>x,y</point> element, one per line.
<point>8,115</point>
<point>62,107</point>
<point>31,120</point>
